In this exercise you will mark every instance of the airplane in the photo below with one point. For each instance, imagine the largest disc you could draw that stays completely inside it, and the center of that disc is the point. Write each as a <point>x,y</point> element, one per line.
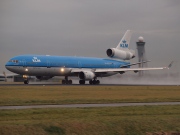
<point>89,69</point>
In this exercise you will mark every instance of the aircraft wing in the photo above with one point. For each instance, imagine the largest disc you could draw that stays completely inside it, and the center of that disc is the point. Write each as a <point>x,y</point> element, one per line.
<point>102,70</point>
<point>99,70</point>
<point>127,69</point>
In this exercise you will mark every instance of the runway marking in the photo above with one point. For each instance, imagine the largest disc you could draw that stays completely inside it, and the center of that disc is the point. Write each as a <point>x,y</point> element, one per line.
<point>87,105</point>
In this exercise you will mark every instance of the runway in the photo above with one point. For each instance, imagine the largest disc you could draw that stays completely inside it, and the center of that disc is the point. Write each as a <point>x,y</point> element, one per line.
<point>87,105</point>
<point>59,84</point>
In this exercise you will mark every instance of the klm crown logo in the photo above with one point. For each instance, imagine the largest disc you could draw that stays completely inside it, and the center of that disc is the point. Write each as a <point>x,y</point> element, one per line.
<point>124,45</point>
<point>35,59</point>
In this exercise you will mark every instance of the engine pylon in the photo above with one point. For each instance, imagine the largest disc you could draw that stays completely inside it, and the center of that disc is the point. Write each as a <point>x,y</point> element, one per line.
<point>141,54</point>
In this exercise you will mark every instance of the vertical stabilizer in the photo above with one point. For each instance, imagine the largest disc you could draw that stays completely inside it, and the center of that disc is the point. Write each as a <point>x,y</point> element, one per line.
<point>124,43</point>
<point>122,50</point>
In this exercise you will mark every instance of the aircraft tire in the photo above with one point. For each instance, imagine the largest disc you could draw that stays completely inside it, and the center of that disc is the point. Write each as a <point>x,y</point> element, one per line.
<point>91,82</point>
<point>81,81</point>
<point>94,82</point>
<point>97,82</point>
<point>69,81</point>
<point>26,82</point>
<point>66,81</point>
<point>63,82</point>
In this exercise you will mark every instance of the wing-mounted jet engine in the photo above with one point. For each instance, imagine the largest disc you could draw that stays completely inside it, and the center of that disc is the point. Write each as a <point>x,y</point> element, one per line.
<point>122,50</point>
<point>86,75</point>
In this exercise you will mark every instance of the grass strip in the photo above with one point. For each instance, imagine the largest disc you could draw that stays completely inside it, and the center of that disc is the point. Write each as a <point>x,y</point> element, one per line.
<point>37,95</point>
<point>138,120</point>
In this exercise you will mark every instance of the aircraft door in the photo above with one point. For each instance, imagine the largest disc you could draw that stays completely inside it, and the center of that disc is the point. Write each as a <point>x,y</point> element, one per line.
<point>79,64</point>
<point>24,63</point>
<point>48,64</point>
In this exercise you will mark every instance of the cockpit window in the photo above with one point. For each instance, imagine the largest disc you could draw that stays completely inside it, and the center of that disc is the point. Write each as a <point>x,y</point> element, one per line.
<point>14,61</point>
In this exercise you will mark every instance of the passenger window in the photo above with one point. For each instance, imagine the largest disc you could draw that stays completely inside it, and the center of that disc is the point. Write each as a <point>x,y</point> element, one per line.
<point>14,61</point>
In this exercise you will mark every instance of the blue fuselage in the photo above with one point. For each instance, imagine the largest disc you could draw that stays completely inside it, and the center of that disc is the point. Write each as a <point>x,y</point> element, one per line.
<point>52,63</point>
<point>64,61</point>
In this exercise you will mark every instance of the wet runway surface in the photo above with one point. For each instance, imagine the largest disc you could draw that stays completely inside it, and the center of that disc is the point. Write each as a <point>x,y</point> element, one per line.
<point>59,84</point>
<point>87,105</point>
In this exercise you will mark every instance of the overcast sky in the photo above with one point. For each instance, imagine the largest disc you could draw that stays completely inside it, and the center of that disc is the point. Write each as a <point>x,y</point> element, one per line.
<point>89,28</point>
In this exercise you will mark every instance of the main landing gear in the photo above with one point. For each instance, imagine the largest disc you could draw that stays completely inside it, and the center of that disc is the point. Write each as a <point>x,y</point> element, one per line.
<point>94,82</point>
<point>66,81</point>
<point>90,82</point>
<point>81,81</point>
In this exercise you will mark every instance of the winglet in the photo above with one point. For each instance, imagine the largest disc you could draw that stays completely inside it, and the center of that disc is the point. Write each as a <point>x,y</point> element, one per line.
<point>170,65</point>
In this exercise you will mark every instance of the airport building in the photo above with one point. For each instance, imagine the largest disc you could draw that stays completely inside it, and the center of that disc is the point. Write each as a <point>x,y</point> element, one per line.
<point>12,78</point>
<point>19,78</point>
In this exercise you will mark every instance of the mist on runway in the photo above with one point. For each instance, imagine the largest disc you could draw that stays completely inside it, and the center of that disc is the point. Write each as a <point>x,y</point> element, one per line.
<point>146,79</point>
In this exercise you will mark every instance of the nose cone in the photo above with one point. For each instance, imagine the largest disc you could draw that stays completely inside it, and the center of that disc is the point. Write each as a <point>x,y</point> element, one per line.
<point>7,65</point>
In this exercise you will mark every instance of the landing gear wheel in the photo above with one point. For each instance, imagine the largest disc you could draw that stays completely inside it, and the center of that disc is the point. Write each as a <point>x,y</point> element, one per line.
<point>90,82</point>
<point>66,81</point>
<point>63,82</point>
<point>26,82</point>
<point>81,81</point>
<point>69,81</point>
<point>94,82</point>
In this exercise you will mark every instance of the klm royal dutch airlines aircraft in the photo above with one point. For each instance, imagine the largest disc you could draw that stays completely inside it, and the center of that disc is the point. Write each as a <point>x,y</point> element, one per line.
<point>86,68</point>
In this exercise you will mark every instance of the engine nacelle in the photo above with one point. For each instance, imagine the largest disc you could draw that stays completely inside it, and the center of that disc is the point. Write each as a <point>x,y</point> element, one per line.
<point>86,75</point>
<point>120,54</point>
<point>44,77</point>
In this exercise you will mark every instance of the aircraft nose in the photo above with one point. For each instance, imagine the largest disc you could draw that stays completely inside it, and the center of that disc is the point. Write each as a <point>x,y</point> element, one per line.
<point>7,65</point>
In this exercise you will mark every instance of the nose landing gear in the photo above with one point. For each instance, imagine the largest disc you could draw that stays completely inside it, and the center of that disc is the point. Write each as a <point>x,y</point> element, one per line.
<point>26,79</point>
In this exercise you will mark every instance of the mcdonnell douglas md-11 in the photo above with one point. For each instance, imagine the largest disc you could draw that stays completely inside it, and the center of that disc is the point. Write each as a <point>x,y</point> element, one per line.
<point>85,68</point>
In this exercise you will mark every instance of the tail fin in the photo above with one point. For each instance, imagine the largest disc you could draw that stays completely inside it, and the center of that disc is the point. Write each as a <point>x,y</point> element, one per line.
<point>122,50</point>
<point>124,43</point>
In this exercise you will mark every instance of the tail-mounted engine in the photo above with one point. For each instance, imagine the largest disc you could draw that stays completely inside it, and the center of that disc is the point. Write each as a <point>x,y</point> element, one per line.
<point>120,54</point>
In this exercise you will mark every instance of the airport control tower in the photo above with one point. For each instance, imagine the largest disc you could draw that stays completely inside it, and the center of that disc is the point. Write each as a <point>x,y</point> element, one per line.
<point>141,53</point>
